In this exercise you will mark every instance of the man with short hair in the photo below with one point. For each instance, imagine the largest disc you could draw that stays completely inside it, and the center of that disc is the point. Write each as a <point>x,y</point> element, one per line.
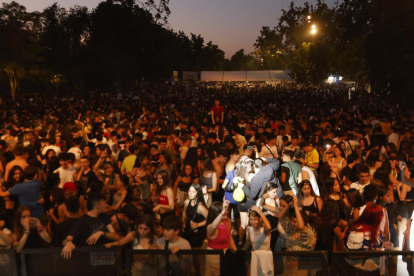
<point>66,171</point>
<point>311,159</point>
<point>85,176</point>
<point>363,179</point>
<point>347,172</point>
<point>93,228</point>
<point>279,138</point>
<point>294,146</point>
<point>171,153</point>
<point>217,111</point>
<point>171,240</point>
<point>291,174</point>
<point>63,229</point>
<point>240,140</point>
<point>113,143</point>
<point>129,161</point>
<point>269,151</point>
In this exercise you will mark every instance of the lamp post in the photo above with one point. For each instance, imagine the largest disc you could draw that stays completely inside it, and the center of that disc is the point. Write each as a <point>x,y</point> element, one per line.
<point>313,29</point>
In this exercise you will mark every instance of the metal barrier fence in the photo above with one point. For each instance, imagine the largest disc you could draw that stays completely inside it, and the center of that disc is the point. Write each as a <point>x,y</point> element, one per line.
<point>361,262</point>
<point>166,253</point>
<point>103,261</point>
<point>84,261</point>
<point>8,266</point>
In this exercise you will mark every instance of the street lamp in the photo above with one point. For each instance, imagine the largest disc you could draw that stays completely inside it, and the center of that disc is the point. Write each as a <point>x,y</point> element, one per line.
<point>313,29</point>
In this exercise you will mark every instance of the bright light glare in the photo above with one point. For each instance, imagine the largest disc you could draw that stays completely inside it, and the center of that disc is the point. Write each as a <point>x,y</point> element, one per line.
<point>313,26</point>
<point>313,31</point>
<point>309,17</point>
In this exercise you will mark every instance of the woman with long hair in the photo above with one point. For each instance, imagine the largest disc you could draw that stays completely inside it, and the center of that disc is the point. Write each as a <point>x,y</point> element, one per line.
<point>165,164</point>
<point>300,236</point>
<point>11,203</point>
<point>365,234</point>
<point>140,176</point>
<point>191,158</point>
<point>373,161</point>
<point>271,208</point>
<point>311,203</point>
<point>218,236</point>
<point>338,161</point>
<point>391,150</point>
<point>103,156</point>
<point>208,180</point>
<point>194,216</point>
<point>362,149</point>
<point>181,187</point>
<point>330,229</point>
<point>143,239</point>
<point>28,231</point>
<point>122,183</point>
<point>352,201</point>
<point>163,197</point>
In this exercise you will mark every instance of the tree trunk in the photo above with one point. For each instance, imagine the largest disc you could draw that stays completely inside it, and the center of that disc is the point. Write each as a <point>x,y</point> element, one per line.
<point>12,81</point>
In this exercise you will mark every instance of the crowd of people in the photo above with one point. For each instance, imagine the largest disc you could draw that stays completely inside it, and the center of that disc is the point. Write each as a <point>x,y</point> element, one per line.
<point>240,169</point>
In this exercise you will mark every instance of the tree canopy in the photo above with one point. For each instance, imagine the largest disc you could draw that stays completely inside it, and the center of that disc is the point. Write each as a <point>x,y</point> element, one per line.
<point>362,40</point>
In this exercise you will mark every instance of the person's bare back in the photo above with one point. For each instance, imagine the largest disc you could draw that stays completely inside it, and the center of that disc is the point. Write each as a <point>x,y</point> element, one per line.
<point>16,162</point>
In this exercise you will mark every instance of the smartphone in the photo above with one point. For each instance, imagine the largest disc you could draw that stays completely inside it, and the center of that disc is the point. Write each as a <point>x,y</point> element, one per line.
<point>250,147</point>
<point>328,146</point>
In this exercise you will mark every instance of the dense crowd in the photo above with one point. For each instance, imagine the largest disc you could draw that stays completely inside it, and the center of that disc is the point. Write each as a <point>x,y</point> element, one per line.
<point>234,168</point>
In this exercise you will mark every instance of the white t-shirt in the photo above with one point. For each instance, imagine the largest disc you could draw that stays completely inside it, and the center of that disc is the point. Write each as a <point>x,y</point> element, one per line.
<point>65,175</point>
<point>183,152</point>
<point>76,151</point>
<point>393,138</point>
<point>360,187</point>
<point>267,152</point>
<point>55,148</point>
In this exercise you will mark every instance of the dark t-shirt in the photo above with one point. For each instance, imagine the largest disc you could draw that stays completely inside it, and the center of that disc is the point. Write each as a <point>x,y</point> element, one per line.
<point>62,230</point>
<point>86,225</point>
<point>346,172</point>
<point>351,174</point>
<point>285,185</point>
<point>86,181</point>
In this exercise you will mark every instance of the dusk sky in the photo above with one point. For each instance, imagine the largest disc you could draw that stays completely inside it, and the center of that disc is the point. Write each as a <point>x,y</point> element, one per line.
<point>231,24</point>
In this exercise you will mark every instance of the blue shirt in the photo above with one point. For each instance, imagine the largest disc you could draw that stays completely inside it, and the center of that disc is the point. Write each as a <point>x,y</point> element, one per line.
<point>29,194</point>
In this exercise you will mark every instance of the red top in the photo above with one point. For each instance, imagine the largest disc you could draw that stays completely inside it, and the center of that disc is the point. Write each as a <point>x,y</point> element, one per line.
<point>217,110</point>
<point>222,241</point>
<point>163,200</point>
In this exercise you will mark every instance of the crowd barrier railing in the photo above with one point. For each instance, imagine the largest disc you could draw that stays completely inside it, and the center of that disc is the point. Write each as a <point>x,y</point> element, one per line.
<point>341,266</point>
<point>84,261</point>
<point>8,265</point>
<point>103,261</point>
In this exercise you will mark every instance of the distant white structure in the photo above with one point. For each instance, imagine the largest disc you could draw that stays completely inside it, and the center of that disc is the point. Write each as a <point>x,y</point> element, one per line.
<point>265,75</point>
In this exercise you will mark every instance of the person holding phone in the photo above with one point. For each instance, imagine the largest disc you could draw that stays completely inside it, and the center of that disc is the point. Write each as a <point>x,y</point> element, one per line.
<point>218,236</point>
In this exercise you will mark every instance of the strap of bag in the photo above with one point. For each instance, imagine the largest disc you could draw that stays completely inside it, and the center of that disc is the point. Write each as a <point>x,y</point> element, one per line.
<point>352,150</point>
<point>270,152</point>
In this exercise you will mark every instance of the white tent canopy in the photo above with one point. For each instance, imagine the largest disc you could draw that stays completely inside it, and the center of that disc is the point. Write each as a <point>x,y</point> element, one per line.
<point>258,75</point>
<point>234,76</point>
<point>212,75</point>
<point>271,75</point>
